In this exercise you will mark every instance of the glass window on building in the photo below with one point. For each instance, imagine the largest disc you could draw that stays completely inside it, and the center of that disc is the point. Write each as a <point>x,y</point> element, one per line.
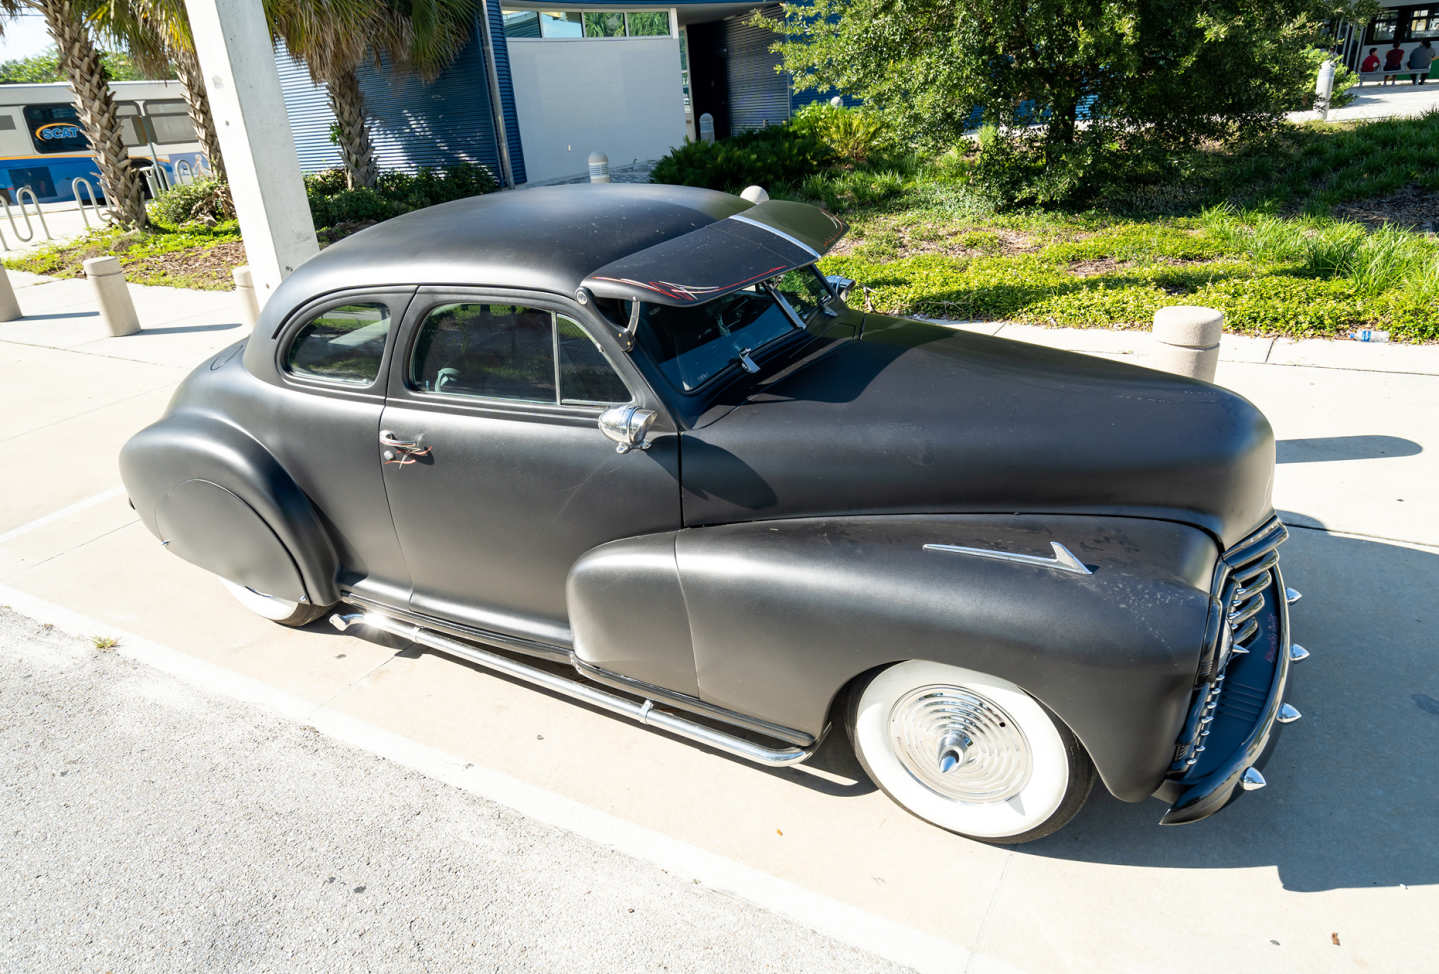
<point>561,23</point>
<point>603,24</point>
<point>1424,23</point>
<point>650,23</point>
<point>522,23</point>
<point>1384,27</point>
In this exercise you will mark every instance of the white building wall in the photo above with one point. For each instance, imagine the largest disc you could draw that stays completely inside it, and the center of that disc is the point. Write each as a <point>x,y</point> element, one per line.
<point>619,96</point>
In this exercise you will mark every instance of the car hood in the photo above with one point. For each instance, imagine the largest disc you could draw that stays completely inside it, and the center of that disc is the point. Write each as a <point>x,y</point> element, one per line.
<point>919,418</point>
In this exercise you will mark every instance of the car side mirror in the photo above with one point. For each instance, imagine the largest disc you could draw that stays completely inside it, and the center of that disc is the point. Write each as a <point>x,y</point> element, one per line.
<point>842,285</point>
<point>628,426</point>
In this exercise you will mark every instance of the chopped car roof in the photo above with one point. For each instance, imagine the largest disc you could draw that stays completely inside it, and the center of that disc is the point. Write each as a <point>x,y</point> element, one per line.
<point>549,238</point>
<point>726,255</point>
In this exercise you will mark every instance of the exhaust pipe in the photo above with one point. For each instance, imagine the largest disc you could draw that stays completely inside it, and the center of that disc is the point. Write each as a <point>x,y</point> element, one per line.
<point>643,712</point>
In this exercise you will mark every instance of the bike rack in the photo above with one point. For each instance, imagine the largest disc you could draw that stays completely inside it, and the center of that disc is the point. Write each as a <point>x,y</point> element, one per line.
<point>102,214</point>
<point>29,233</point>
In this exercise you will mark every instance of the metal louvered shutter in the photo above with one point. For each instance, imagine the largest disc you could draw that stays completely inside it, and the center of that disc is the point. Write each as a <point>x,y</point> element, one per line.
<point>758,92</point>
<point>415,124</point>
<point>308,108</point>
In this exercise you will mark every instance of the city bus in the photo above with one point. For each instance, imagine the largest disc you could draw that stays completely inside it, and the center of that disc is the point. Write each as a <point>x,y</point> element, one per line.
<point>43,147</point>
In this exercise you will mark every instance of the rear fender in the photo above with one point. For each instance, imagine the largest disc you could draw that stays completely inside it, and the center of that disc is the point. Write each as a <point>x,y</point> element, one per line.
<point>782,614</point>
<point>217,498</point>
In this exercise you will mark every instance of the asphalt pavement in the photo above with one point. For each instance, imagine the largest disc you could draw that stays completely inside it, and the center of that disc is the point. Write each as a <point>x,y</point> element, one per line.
<point>152,826</point>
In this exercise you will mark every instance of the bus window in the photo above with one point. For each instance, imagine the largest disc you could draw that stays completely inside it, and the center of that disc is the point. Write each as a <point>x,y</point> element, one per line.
<point>169,121</point>
<point>55,128</point>
<point>132,124</point>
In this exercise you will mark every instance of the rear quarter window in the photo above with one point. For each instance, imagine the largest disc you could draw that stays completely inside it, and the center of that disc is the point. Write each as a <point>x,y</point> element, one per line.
<point>344,344</point>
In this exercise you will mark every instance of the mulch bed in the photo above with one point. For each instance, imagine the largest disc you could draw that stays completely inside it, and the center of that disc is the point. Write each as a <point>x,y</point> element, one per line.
<point>1412,208</point>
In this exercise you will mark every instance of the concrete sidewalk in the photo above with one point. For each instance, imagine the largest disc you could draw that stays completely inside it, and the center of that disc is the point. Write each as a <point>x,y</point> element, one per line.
<point>1332,867</point>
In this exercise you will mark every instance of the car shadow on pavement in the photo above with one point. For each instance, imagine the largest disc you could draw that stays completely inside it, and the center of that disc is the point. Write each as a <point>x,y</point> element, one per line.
<point>831,770</point>
<point>1314,449</point>
<point>1352,793</point>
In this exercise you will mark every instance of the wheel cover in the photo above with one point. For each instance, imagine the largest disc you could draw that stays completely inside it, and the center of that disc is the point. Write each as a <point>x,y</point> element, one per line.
<point>960,744</point>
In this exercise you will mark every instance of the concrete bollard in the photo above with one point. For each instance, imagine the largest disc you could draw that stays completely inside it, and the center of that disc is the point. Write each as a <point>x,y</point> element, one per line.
<point>707,127</point>
<point>599,167</point>
<point>755,194</point>
<point>107,279</point>
<point>9,307</point>
<point>1187,340</point>
<point>245,292</point>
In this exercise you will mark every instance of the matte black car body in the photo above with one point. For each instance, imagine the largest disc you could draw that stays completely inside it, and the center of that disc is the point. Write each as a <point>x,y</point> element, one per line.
<point>769,547</point>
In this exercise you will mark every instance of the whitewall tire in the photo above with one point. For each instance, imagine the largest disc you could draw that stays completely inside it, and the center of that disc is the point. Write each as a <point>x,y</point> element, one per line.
<point>969,752</point>
<point>283,611</point>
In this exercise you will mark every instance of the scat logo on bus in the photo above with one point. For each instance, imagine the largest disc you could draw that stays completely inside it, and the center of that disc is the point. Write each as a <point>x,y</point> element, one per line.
<point>58,131</point>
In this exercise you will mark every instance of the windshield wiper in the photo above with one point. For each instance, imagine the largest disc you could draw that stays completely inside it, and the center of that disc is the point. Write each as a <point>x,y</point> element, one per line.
<point>744,360</point>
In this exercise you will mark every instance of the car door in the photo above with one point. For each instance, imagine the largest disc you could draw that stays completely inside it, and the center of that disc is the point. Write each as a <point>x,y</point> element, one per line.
<point>331,362</point>
<point>503,479</point>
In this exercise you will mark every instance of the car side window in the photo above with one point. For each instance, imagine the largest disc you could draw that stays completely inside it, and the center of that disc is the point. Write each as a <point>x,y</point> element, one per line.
<point>504,351</point>
<point>344,344</point>
<point>804,291</point>
<point>585,375</point>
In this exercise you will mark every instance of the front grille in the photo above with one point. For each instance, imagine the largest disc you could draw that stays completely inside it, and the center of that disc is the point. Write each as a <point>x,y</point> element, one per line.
<point>1244,598</point>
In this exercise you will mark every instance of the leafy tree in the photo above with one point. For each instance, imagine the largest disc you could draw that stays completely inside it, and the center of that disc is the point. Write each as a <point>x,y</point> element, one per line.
<point>334,37</point>
<point>82,66</point>
<point>1073,93</point>
<point>44,68</point>
<point>156,33</point>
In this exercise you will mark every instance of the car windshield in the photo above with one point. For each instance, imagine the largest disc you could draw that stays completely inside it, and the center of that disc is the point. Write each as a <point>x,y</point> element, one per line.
<point>693,345</point>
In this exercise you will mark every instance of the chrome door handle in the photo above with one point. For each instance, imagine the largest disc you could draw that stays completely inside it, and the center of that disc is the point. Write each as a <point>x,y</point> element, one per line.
<point>388,438</point>
<point>402,451</point>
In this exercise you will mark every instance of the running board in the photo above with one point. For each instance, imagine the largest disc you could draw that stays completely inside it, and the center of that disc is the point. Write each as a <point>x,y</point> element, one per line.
<point>643,711</point>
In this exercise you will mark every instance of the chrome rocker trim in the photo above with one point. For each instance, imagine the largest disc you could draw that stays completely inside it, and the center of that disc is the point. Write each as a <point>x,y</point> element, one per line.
<point>642,711</point>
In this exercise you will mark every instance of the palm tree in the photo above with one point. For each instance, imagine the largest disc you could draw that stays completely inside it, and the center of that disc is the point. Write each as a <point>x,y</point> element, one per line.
<point>334,37</point>
<point>157,35</point>
<point>94,102</point>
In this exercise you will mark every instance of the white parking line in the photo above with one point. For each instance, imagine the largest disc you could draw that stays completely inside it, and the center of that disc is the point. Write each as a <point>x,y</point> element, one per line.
<point>826,915</point>
<point>64,512</point>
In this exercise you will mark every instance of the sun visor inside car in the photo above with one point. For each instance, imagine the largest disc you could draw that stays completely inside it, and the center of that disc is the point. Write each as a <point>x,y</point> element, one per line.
<point>767,239</point>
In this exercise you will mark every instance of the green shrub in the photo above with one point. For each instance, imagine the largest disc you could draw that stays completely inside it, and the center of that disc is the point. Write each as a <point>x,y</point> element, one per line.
<point>327,183</point>
<point>768,157</point>
<point>332,204</point>
<point>203,200</point>
<point>853,134</point>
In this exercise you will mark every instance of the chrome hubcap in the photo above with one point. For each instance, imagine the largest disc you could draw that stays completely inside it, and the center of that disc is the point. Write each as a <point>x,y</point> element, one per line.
<point>960,744</point>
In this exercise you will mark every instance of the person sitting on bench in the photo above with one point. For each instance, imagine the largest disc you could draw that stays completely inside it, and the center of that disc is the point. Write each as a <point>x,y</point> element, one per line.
<point>1371,63</point>
<point>1419,60</point>
<point>1393,61</point>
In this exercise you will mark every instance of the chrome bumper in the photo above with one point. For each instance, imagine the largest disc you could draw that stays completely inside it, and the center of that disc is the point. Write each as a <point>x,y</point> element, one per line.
<point>1248,710</point>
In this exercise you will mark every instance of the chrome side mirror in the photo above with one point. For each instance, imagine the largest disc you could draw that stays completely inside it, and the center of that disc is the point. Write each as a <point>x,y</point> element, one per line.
<point>842,285</point>
<point>628,426</point>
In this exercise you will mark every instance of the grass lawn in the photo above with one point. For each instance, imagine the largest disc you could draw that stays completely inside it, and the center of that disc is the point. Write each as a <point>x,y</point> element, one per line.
<point>1302,234</point>
<point>194,257</point>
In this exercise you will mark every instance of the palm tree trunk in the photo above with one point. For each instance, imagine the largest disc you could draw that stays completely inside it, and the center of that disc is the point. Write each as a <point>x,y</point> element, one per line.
<point>95,104</point>
<point>348,104</point>
<point>197,103</point>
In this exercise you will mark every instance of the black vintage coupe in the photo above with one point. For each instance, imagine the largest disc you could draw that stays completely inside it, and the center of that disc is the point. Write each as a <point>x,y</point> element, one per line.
<point>635,430</point>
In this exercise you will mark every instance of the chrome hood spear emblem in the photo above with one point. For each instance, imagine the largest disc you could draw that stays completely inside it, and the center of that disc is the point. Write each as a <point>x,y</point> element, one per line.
<point>1063,560</point>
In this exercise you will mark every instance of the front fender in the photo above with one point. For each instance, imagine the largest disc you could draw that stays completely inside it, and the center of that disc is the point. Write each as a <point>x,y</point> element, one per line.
<point>217,498</point>
<point>782,614</point>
